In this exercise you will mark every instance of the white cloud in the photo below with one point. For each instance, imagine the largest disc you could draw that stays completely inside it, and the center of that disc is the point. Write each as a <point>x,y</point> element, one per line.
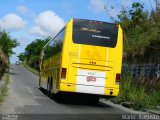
<point>37,30</point>
<point>110,7</point>
<point>22,9</point>
<point>12,22</point>
<point>25,11</point>
<point>47,23</point>
<point>97,5</point>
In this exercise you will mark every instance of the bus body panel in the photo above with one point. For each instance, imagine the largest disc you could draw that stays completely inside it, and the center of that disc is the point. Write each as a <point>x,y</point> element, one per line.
<point>89,69</point>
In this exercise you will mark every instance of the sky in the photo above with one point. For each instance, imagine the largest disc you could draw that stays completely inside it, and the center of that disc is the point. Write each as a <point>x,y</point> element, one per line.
<point>27,20</point>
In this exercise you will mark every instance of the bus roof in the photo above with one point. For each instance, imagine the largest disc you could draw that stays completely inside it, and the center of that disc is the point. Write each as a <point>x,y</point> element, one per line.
<point>94,21</point>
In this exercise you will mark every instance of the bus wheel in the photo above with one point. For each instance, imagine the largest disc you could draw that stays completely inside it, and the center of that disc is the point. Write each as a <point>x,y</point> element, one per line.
<point>49,87</point>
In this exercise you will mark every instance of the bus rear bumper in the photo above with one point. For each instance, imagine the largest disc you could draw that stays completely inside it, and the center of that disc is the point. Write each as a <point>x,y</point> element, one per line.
<point>89,89</point>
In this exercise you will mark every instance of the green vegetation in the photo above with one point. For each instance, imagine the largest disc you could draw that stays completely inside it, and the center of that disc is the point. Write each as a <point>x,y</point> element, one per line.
<point>141,30</point>
<point>3,63</point>
<point>3,88</point>
<point>30,68</point>
<point>6,50</point>
<point>141,95</point>
<point>32,53</point>
<point>7,43</point>
<point>141,36</point>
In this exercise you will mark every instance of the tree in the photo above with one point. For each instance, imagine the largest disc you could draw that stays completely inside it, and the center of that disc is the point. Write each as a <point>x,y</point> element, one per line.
<point>21,56</point>
<point>7,43</point>
<point>32,52</point>
<point>141,31</point>
<point>6,49</point>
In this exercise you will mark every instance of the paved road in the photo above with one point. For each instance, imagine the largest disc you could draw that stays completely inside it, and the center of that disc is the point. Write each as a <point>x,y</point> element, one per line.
<point>24,97</point>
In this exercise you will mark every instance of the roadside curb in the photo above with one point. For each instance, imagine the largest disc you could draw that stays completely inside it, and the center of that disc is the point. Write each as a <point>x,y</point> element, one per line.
<point>118,106</point>
<point>154,112</point>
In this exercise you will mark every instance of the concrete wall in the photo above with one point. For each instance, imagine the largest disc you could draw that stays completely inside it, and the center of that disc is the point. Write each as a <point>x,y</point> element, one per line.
<point>142,71</point>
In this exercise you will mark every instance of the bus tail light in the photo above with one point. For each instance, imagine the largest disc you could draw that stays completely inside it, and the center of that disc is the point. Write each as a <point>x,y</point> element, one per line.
<point>118,76</point>
<point>63,73</point>
<point>117,26</point>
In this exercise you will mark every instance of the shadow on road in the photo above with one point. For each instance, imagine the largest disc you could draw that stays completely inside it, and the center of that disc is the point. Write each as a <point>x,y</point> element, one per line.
<point>74,99</point>
<point>12,68</point>
<point>12,73</point>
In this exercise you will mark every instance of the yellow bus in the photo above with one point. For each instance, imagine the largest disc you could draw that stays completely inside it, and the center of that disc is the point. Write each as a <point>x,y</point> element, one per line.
<point>84,57</point>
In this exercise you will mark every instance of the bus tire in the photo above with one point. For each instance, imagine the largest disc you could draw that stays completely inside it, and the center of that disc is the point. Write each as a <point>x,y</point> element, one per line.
<point>49,87</point>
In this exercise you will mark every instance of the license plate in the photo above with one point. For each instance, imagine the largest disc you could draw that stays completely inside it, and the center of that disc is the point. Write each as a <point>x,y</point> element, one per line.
<point>91,78</point>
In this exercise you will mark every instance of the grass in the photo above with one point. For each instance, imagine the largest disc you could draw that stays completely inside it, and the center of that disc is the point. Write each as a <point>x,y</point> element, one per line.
<point>3,89</point>
<point>30,68</point>
<point>55,62</point>
<point>141,95</point>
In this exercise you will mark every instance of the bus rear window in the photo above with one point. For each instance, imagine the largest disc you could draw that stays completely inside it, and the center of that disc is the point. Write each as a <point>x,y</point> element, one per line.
<point>95,33</point>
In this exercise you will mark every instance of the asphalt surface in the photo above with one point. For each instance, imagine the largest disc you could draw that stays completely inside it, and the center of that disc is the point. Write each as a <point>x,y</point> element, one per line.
<point>27,101</point>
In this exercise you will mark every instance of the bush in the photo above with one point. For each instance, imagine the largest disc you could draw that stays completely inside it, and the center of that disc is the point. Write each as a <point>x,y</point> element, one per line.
<point>138,94</point>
